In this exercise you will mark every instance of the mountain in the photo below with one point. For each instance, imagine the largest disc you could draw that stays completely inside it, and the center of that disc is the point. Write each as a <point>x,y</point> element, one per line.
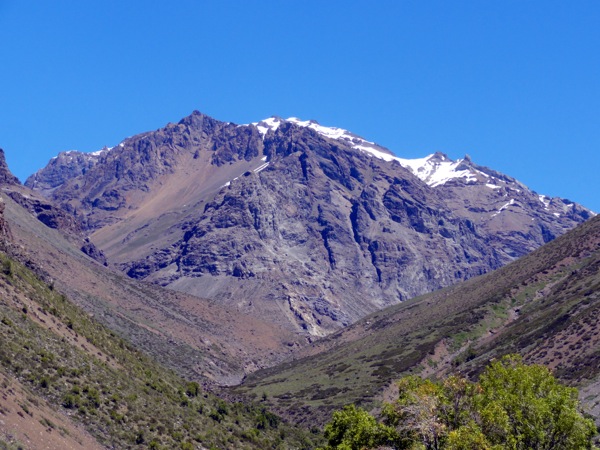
<point>545,306</point>
<point>90,358</point>
<point>193,335</point>
<point>268,235</point>
<point>230,211</point>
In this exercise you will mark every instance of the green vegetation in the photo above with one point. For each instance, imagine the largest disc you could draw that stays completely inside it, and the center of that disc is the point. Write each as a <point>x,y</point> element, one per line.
<point>513,406</point>
<point>119,394</point>
<point>10,445</point>
<point>545,306</point>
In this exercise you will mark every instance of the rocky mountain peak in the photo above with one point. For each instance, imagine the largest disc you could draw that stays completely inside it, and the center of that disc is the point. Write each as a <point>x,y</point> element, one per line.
<point>6,176</point>
<point>307,225</point>
<point>198,120</point>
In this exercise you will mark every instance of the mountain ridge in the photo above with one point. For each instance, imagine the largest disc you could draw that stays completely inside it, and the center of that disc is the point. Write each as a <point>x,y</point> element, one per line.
<point>208,206</point>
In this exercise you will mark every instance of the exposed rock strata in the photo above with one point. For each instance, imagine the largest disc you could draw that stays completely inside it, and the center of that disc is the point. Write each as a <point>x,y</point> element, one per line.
<point>282,220</point>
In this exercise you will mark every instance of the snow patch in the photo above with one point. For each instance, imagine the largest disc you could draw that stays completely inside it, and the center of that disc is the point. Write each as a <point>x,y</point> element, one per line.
<point>544,201</point>
<point>257,170</point>
<point>330,132</point>
<point>444,171</point>
<point>261,167</point>
<point>102,151</point>
<point>503,207</point>
<point>263,127</point>
<point>493,186</point>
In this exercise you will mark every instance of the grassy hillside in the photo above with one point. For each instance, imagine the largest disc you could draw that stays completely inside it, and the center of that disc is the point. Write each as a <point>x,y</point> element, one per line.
<point>545,306</point>
<point>86,374</point>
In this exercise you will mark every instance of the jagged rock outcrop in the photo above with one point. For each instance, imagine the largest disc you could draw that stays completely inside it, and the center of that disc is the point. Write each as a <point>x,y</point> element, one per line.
<point>44,211</point>
<point>56,218</point>
<point>308,225</point>
<point>6,176</point>
<point>5,234</point>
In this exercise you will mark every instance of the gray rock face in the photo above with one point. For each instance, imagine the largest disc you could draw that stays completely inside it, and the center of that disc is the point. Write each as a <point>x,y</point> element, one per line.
<point>5,234</point>
<point>97,186</point>
<point>309,226</point>
<point>6,176</point>
<point>57,218</point>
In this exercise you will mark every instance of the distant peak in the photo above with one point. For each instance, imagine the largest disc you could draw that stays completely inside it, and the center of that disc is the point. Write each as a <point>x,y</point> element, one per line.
<point>439,156</point>
<point>197,119</point>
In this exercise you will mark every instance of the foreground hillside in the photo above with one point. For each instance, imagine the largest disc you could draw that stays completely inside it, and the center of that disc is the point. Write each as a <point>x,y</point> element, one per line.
<point>545,306</point>
<point>68,382</point>
<point>228,212</point>
<point>190,334</point>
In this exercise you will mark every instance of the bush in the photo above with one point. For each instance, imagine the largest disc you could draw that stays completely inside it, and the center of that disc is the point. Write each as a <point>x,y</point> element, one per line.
<point>70,401</point>
<point>192,389</point>
<point>7,268</point>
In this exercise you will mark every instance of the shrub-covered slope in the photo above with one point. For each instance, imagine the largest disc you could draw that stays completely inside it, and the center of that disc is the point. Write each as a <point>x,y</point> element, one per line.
<point>60,355</point>
<point>544,306</point>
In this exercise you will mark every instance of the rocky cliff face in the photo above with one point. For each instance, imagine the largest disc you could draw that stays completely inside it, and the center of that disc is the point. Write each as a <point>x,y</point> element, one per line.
<point>44,211</point>
<point>5,234</point>
<point>515,218</point>
<point>310,226</point>
<point>6,176</point>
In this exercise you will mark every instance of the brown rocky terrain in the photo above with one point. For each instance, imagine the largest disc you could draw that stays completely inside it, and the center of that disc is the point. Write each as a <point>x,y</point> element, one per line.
<point>308,226</point>
<point>193,335</point>
<point>27,422</point>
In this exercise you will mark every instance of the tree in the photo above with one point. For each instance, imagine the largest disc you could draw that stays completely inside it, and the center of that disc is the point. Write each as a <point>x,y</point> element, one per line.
<point>353,428</point>
<point>416,413</point>
<point>525,407</point>
<point>513,406</point>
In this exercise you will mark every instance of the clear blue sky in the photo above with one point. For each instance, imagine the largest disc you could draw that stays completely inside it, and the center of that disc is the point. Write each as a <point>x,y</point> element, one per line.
<point>515,84</point>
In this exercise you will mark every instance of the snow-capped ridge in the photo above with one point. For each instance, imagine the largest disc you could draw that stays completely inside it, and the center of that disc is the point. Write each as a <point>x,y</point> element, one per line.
<point>272,123</point>
<point>435,169</point>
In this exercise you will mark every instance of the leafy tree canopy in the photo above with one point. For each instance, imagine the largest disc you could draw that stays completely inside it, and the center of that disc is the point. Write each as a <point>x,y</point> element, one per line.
<point>513,406</point>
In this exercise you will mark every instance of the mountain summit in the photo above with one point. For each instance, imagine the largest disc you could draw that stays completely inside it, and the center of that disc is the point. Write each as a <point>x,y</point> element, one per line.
<point>308,226</point>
